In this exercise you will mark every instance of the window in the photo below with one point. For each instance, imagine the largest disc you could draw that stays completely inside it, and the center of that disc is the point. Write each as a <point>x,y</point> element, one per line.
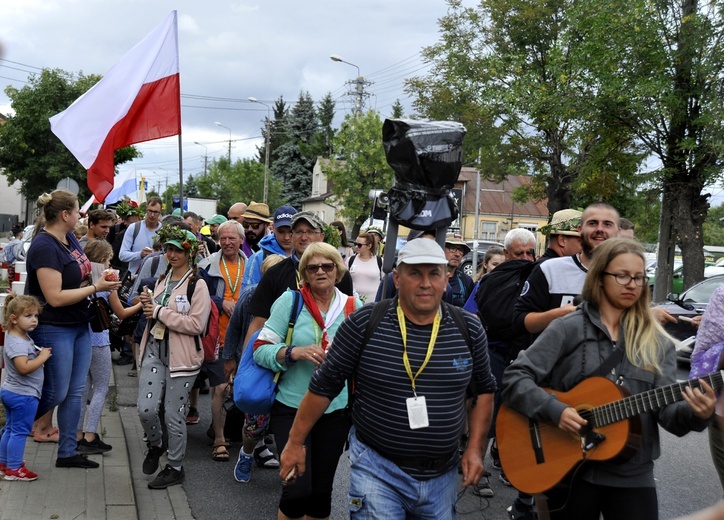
<point>533,228</point>
<point>488,230</point>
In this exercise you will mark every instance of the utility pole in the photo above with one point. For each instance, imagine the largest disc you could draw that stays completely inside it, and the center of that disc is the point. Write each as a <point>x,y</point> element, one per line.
<point>267,145</point>
<point>360,83</point>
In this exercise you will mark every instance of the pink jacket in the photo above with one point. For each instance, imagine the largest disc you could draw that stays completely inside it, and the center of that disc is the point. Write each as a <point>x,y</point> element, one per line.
<point>184,357</point>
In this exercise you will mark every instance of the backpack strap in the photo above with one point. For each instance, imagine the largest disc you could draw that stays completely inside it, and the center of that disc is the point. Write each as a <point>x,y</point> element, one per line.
<point>136,231</point>
<point>458,317</point>
<point>379,265</point>
<point>297,304</point>
<point>351,261</point>
<point>190,288</point>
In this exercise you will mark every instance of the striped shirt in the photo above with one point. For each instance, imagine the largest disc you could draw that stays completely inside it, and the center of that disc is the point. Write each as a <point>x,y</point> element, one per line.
<point>379,410</point>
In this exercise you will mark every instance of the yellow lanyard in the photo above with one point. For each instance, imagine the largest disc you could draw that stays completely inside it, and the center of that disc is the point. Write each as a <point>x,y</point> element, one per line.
<point>430,346</point>
<point>235,285</point>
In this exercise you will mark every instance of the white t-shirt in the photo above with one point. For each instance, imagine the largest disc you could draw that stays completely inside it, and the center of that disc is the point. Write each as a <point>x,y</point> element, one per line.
<point>365,278</point>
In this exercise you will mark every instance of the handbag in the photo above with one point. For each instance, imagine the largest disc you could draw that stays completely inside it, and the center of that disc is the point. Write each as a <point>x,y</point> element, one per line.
<point>255,387</point>
<point>124,291</point>
<point>101,314</point>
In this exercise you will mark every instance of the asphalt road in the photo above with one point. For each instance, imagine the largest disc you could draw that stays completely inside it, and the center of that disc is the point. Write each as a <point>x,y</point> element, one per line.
<point>686,479</point>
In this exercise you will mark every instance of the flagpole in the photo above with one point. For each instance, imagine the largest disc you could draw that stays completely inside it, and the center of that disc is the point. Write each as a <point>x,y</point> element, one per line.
<point>180,175</point>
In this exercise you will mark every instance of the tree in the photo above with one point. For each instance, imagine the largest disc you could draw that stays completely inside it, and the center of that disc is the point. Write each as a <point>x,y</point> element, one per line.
<point>294,159</point>
<point>322,139</point>
<point>507,70</point>
<point>191,188</point>
<point>660,72</point>
<point>363,167</point>
<point>714,226</point>
<point>277,136</point>
<point>29,151</point>
<point>398,111</point>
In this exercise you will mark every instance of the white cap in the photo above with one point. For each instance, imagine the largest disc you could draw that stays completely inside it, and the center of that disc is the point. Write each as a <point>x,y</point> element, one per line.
<point>421,251</point>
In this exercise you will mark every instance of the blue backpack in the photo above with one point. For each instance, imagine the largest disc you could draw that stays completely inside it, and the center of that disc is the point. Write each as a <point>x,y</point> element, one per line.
<point>255,387</point>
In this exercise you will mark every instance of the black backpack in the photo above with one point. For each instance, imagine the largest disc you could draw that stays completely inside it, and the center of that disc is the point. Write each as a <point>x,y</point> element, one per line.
<point>497,294</point>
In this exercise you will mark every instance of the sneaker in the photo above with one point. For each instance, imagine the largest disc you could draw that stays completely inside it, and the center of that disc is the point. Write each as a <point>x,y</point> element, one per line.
<point>242,470</point>
<point>124,360</point>
<point>167,477</point>
<point>482,488</point>
<point>76,461</point>
<point>3,467</point>
<point>265,458</point>
<point>521,511</point>
<point>150,463</point>
<point>94,447</point>
<point>22,473</point>
<point>193,416</point>
<point>504,479</point>
<point>133,373</point>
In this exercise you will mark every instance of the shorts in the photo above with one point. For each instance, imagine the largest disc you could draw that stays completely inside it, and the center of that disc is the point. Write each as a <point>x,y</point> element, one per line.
<point>214,371</point>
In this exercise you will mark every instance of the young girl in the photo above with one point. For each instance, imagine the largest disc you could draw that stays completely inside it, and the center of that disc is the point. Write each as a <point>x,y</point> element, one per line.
<point>23,383</point>
<point>612,334</point>
<point>99,375</point>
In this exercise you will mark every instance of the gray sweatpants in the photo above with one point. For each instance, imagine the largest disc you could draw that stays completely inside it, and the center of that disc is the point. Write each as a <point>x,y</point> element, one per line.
<point>99,376</point>
<point>156,387</point>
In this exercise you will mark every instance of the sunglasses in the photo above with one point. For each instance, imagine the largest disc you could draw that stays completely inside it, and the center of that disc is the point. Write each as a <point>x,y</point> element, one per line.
<point>253,226</point>
<point>313,268</point>
<point>357,244</point>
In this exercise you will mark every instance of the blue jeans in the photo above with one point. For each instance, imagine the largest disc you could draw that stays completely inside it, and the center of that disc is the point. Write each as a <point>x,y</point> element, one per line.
<point>19,413</point>
<point>65,375</point>
<point>379,489</point>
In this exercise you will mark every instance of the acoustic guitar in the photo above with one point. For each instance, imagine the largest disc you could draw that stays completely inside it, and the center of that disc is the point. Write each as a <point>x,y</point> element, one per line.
<point>537,455</point>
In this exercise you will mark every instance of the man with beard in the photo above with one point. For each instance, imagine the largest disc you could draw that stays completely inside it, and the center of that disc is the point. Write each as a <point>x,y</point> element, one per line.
<point>461,284</point>
<point>256,222</point>
<point>278,243</point>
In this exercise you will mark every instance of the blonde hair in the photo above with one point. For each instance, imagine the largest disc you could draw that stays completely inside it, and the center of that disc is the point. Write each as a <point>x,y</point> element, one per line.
<point>52,204</point>
<point>270,261</point>
<point>325,250</point>
<point>643,335</point>
<point>98,250</point>
<point>17,305</point>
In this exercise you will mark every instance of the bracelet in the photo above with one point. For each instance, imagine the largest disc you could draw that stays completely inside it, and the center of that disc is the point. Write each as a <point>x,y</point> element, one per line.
<point>288,356</point>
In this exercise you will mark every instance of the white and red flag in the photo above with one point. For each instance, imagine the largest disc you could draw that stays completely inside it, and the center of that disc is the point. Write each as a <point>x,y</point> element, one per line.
<point>138,100</point>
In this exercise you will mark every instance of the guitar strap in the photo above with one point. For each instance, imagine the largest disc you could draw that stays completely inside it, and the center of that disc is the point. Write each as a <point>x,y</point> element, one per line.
<point>611,362</point>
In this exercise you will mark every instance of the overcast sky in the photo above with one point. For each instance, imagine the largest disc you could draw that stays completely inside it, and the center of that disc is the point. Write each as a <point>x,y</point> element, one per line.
<point>231,51</point>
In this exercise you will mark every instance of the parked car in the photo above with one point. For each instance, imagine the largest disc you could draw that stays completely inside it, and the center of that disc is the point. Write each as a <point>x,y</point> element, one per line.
<point>466,263</point>
<point>715,269</point>
<point>685,306</point>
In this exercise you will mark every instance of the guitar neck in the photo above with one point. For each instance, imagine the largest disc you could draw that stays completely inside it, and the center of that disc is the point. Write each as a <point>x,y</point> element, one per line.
<point>651,400</point>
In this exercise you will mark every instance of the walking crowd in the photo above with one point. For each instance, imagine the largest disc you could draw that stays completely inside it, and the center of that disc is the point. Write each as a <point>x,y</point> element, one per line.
<point>417,373</point>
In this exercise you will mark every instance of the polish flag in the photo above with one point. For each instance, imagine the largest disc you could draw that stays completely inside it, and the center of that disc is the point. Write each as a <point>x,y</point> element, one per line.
<point>138,100</point>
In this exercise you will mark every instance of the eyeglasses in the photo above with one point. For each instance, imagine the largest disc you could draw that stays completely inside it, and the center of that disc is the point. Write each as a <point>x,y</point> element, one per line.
<point>625,279</point>
<point>357,244</point>
<point>308,233</point>
<point>313,268</point>
<point>253,226</point>
<point>152,212</point>
<point>456,249</point>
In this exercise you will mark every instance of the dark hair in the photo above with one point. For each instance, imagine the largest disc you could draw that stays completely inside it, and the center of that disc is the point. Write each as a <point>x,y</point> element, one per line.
<point>96,215</point>
<point>193,215</point>
<point>340,227</point>
<point>625,223</point>
<point>154,200</point>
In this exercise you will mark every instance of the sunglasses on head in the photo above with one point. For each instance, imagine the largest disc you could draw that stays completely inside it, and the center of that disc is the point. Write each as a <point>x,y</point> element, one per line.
<point>327,268</point>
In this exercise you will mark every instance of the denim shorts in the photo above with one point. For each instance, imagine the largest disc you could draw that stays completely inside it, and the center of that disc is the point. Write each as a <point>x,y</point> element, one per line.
<point>379,489</point>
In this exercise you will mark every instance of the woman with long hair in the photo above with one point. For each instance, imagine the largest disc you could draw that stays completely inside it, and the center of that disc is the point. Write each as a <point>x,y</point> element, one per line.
<point>324,310</point>
<point>59,275</point>
<point>170,357</point>
<point>612,334</point>
<point>345,248</point>
<point>365,268</point>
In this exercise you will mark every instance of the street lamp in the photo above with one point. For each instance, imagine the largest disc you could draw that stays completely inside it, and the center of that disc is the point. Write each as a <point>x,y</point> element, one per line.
<point>206,155</point>
<point>229,129</point>
<point>359,83</point>
<point>267,145</point>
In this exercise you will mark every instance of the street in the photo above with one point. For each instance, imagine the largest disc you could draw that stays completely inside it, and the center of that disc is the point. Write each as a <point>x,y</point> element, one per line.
<point>686,479</point>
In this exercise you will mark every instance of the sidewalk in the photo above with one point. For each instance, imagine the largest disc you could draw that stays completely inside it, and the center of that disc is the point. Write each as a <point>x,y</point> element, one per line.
<point>117,490</point>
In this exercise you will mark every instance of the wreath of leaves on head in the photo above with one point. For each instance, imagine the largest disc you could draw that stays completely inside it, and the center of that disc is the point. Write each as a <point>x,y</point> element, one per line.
<point>124,210</point>
<point>375,229</point>
<point>187,241</point>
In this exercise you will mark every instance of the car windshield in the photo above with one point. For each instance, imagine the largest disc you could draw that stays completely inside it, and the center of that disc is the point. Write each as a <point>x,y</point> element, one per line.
<point>702,293</point>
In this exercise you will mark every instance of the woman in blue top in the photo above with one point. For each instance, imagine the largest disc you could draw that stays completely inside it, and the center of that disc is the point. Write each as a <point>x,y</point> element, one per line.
<point>59,276</point>
<point>325,308</point>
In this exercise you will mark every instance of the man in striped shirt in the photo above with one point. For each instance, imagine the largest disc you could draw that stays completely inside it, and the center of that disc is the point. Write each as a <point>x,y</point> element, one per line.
<point>408,411</point>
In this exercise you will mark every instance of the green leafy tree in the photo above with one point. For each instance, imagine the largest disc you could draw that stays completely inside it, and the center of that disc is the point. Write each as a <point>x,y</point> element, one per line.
<point>398,111</point>
<point>191,188</point>
<point>714,226</point>
<point>363,166</point>
<point>323,138</point>
<point>507,70</point>
<point>660,75</point>
<point>29,151</point>
<point>277,135</point>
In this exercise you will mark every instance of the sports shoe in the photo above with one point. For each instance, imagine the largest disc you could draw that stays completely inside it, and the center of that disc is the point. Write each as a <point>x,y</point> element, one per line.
<point>193,416</point>
<point>94,447</point>
<point>167,477</point>
<point>495,455</point>
<point>482,488</point>
<point>504,479</point>
<point>242,470</point>
<point>265,458</point>
<point>22,473</point>
<point>133,373</point>
<point>150,463</point>
<point>76,461</point>
<point>521,511</point>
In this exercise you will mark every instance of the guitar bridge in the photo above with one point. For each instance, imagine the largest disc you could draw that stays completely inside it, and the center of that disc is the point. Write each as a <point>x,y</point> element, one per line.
<point>591,439</point>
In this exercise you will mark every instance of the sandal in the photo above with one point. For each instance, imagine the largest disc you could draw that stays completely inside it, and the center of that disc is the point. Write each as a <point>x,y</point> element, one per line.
<point>52,436</point>
<point>220,453</point>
